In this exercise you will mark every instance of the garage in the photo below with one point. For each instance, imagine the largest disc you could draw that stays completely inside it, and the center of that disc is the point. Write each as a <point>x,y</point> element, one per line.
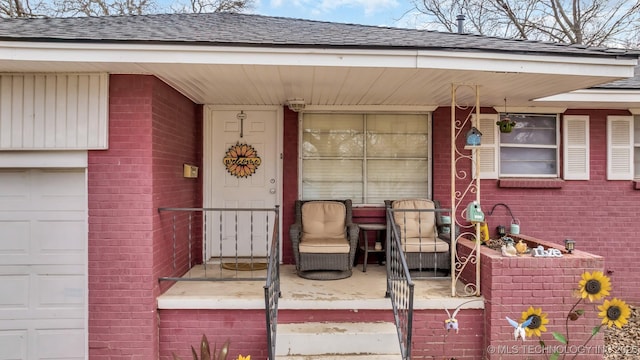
<point>43,263</point>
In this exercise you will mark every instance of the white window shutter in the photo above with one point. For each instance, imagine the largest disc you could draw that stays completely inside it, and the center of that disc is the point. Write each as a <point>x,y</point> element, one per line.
<point>620,147</point>
<point>488,150</point>
<point>576,147</point>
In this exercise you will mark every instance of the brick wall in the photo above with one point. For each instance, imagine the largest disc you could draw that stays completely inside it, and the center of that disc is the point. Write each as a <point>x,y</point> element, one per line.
<point>244,329</point>
<point>289,181</point>
<point>600,215</point>
<point>510,285</point>
<point>126,249</point>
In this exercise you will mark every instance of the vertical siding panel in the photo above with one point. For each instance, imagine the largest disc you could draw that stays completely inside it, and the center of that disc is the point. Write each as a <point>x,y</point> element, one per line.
<point>5,110</point>
<point>53,111</point>
<point>29,111</point>
<point>71,107</point>
<point>50,112</point>
<point>103,98</point>
<point>17,113</point>
<point>61,110</point>
<point>84,94</point>
<point>40,111</point>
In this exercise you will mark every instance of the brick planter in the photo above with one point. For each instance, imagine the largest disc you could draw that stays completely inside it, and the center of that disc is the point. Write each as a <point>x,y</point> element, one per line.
<point>510,285</point>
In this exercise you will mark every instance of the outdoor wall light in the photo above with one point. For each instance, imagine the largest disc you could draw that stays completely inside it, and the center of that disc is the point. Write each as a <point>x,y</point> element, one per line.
<point>296,104</point>
<point>569,245</point>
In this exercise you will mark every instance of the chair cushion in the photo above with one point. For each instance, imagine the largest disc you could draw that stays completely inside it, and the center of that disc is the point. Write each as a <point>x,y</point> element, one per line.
<point>337,245</point>
<point>324,220</point>
<point>414,224</point>
<point>425,245</point>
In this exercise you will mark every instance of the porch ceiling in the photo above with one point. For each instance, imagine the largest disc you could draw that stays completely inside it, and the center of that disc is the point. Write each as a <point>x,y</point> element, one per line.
<point>257,77</point>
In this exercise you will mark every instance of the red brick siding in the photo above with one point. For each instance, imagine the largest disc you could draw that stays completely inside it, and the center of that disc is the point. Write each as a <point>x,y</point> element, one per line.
<point>126,250</point>
<point>244,329</point>
<point>511,285</point>
<point>600,215</point>
<point>289,181</point>
<point>177,140</point>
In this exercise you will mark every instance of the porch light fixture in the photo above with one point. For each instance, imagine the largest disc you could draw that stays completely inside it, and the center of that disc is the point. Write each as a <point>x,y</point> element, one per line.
<point>296,104</point>
<point>569,245</point>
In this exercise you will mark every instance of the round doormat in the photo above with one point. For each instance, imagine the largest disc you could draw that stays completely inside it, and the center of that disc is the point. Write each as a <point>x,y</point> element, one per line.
<point>244,266</point>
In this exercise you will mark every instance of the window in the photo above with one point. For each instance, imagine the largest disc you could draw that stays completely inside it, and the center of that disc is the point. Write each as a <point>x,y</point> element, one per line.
<point>529,150</point>
<point>368,158</point>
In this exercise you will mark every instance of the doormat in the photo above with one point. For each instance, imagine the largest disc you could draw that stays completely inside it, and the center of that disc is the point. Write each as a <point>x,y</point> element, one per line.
<point>244,266</point>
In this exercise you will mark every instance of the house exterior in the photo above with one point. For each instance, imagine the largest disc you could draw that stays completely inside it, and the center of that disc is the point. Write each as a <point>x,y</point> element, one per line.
<point>98,117</point>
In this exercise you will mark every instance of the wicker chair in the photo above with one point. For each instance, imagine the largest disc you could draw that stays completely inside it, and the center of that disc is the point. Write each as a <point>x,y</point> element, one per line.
<point>324,239</point>
<point>423,248</point>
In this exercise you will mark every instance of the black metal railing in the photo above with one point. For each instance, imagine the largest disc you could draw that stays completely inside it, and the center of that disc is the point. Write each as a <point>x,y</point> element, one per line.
<point>191,231</point>
<point>272,292</point>
<point>220,244</point>
<point>400,288</point>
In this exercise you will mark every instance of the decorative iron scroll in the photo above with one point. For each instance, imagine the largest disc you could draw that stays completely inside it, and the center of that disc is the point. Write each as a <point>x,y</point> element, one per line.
<point>241,160</point>
<point>465,188</point>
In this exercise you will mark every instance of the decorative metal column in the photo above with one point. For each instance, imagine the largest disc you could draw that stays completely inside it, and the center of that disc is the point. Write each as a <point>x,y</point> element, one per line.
<point>465,187</point>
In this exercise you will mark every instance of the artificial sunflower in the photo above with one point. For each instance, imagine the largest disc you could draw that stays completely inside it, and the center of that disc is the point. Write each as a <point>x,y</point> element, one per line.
<point>538,321</point>
<point>594,285</point>
<point>615,312</point>
<point>240,357</point>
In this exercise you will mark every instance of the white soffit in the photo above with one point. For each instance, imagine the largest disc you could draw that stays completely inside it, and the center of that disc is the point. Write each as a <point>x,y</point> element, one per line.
<point>596,95</point>
<point>325,77</point>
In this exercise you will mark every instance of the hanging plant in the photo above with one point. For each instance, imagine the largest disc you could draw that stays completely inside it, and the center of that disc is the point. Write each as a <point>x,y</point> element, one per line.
<point>506,124</point>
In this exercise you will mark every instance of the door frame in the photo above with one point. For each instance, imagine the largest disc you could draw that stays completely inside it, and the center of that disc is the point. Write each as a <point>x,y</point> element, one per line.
<point>207,151</point>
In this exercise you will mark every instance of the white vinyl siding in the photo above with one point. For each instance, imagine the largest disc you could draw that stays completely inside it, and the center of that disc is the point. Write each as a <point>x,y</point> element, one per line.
<point>620,147</point>
<point>368,158</point>
<point>576,147</point>
<point>53,111</point>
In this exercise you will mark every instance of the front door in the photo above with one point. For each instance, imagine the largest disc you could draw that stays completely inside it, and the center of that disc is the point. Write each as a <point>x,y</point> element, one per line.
<point>241,171</point>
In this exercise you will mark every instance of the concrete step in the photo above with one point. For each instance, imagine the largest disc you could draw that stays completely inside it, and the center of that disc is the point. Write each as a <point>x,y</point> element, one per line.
<point>325,341</point>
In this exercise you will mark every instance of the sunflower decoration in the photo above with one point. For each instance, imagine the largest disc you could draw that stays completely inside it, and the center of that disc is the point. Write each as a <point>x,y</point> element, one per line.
<point>240,357</point>
<point>241,160</point>
<point>615,312</point>
<point>594,286</point>
<point>538,321</point>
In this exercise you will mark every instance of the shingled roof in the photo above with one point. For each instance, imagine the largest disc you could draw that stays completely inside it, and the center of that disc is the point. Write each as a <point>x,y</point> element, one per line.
<point>231,29</point>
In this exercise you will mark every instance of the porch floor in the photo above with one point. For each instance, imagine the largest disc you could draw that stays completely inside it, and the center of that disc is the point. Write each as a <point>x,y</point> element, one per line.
<point>363,290</point>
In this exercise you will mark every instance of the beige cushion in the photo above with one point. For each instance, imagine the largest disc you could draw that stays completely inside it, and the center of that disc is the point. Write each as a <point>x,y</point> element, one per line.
<point>415,224</point>
<point>425,245</point>
<point>324,220</point>
<point>324,246</point>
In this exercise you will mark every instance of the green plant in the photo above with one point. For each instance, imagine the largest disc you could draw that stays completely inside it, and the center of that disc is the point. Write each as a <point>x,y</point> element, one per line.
<point>205,351</point>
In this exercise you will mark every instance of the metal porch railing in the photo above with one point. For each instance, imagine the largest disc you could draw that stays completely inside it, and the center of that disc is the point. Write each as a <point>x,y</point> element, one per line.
<point>220,239</point>
<point>272,292</point>
<point>400,288</point>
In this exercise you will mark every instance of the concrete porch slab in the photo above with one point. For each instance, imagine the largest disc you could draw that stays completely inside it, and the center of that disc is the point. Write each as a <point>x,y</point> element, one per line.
<point>363,290</point>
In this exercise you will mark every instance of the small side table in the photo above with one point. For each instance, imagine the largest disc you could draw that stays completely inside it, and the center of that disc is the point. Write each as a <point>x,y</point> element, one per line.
<point>364,228</point>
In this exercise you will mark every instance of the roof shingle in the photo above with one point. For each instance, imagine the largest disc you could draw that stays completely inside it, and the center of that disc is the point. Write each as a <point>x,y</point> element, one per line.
<point>257,30</point>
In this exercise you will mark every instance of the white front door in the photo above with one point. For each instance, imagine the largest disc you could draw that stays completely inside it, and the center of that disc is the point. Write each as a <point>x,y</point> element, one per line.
<point>43,264</point>
<point>242,169</point>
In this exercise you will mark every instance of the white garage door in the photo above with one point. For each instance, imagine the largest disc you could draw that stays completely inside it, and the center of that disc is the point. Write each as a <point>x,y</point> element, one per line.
<point>43,264</point>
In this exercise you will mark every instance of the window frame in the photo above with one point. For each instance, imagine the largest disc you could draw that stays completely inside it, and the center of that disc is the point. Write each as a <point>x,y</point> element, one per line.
<point>429,156</point>
<point>493,149</point>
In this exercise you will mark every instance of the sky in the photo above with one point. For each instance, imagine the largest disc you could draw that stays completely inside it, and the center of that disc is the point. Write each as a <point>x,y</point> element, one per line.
<point>364,12</point>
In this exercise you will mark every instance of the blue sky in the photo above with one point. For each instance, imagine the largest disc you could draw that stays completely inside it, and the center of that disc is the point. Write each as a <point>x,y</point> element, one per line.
<point>365,12</point>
